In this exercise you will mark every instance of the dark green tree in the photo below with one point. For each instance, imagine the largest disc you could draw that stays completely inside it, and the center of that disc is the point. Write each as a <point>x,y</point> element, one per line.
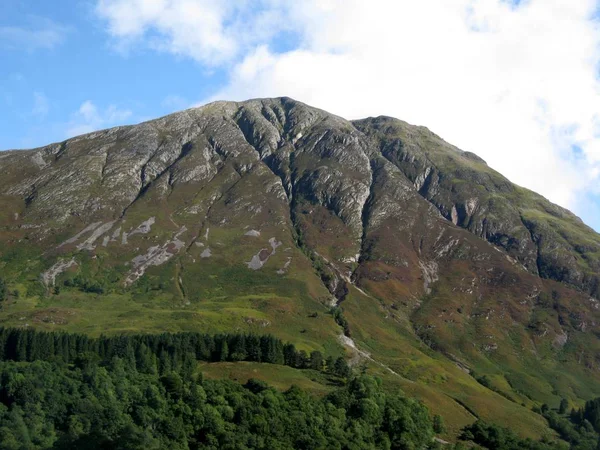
<point>329,364</point>
<point>2,290</point>
<point>302,360</point>
<point>224,351</point>
<point>290,356</point>
<point>341,368</point>
<point>253,348</point>
<point>238,348</point>
<point>173,384</point>
<point>316,360</point>
<point>145,361</point>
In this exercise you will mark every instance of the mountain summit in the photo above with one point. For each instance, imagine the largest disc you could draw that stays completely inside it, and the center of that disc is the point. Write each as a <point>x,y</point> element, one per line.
<point>266,213</point>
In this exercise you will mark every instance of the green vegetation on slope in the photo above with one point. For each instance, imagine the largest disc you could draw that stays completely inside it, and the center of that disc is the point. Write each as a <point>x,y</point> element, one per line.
<point>426,374</point>
<point>60,390</point>
<point>579,430</point>
<point>279,377</point>
<point>251,217</point>
<point>48,405</point>
<point>162,352</point>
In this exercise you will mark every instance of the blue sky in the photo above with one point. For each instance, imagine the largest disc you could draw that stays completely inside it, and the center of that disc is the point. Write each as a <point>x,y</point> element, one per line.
<point>514,81</point>
<point>43,85</point>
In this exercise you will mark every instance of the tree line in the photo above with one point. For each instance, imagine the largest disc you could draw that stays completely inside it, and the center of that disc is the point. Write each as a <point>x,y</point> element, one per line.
<point>46,405</point>
<point>65,390</point>
<point>161,353</point>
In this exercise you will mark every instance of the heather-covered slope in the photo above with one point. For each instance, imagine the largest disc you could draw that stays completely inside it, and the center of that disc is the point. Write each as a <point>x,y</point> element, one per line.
<point>548,240</point>
<point>261,215</point>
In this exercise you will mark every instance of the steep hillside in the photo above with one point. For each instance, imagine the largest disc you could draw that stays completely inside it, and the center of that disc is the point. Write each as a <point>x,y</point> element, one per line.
<point>474,294</point>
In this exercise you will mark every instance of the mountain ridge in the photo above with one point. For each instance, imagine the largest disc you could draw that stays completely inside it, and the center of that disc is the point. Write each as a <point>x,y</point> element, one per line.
<point>449,212</point>
<point>262,215</point>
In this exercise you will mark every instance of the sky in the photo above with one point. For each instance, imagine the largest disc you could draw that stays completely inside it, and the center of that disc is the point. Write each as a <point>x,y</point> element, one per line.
<point>516,82</point>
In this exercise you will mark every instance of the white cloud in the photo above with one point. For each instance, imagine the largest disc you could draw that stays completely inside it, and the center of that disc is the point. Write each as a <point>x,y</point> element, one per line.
<point>41,105</point>
<point>209,31</point>
<point>513,82</point>
<point>40,33</point>
<point>89,118</point>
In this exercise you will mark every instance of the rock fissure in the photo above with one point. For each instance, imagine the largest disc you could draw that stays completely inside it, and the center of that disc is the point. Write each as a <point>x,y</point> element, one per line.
<point>366,212</point>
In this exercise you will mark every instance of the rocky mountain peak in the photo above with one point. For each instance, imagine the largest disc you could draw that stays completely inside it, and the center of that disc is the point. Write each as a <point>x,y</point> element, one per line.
<point>261,212</point>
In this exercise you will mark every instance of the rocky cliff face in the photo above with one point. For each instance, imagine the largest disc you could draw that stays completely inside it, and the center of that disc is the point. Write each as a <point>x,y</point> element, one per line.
<point>275,198</point>
<point>547,239</point>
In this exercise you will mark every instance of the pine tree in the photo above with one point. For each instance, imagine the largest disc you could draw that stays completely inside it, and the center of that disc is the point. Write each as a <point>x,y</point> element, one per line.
<point>254,351</point>
<point>224,351</point>
<point>238,348</point>
<point>302,361</point>
<point>143,359</point>
<point>21,347</point>
<point>269,350</point>
<point>188,366</point>
<point>290,355</point>
<point>45,344</point>
<point>164,362</point>
<point>341,368</point>
<point>564,405</point>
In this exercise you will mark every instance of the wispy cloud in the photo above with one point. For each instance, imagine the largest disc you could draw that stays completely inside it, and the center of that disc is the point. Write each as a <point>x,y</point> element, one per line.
<point>39,33</point>
<point>211,32</point>
<point>90,118</point>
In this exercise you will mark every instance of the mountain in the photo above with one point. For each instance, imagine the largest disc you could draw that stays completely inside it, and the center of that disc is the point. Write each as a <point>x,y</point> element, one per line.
<point>471,293</point>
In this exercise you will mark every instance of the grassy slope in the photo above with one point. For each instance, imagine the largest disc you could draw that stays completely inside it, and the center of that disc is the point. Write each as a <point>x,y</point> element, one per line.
<point>280,377</point>
<point>446,389</point>
<point>220,294</point>
<point>117,313</point>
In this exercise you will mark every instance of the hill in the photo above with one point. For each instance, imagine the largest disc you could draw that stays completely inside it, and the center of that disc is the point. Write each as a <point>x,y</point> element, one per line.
<point>372,238</point>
